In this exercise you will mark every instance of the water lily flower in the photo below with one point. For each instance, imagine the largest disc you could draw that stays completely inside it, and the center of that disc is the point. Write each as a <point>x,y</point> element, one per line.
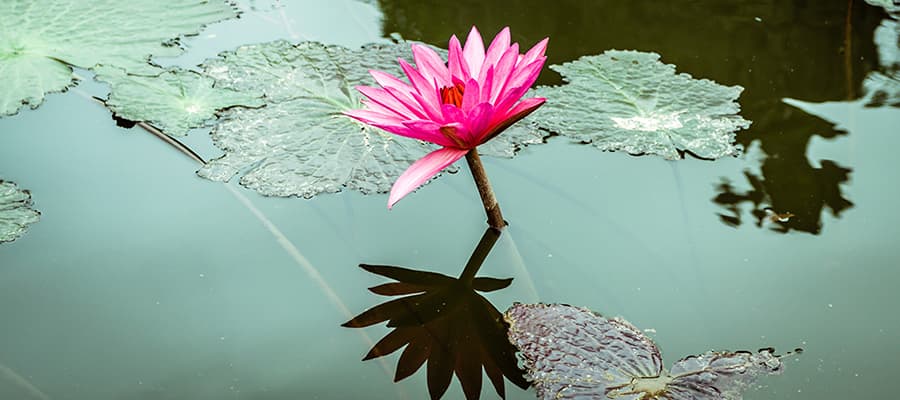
<point>458,104</point>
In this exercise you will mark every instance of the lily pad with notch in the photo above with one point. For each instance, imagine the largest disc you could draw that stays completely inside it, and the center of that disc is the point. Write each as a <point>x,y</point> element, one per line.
<point>41,40</point>
<point>173,100</point>
<point>573,353</point>
<point>630,101</point>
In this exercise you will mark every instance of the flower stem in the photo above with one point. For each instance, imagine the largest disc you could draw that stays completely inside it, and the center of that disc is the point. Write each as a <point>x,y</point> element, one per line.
<point>491,207</point>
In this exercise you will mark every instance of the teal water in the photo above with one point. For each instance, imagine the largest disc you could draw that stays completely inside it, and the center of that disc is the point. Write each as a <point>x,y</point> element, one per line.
<point>143,281</point>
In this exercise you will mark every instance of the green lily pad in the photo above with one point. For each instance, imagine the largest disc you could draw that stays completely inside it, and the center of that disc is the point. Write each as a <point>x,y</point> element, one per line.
<point>300,143</point>
<point>16,213</point>
<point>630,101</point>
<point>174,100</point>
<point>40,40</point>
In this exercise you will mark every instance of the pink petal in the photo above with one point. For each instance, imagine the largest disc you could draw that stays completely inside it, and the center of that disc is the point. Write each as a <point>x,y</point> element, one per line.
<point>410,102</point>
<point>426,93</point>
<point>535,52</point>
<point>400,128</point>
<point>521,110</point>
<point>525,75</point>
<point>474,51</point>
<point>382,98</point>
<point>525,107</point>
<point>496,50</point>
<point>518,84</point>
<point>452,113</point>
<point>432,108</point>
<point>387,80</point>
<point>458,134</point>
<point>431,65</point>
<point>456,62</point>
<point>434,132</point>
<point>423,86</point>
<point>505,67</point>
<point>372,117</point>
<point>509,99</point>
<point>487,85</point>
<point>423,170</point>
<point>479,119</point>
<point>471,95</point>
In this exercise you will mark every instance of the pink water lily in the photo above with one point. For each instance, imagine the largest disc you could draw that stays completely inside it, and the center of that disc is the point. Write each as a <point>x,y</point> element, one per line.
<point>458,105</point>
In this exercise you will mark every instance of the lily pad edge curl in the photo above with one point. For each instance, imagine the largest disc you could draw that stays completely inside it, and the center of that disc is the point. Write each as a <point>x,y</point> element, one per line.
<point>16,212</point>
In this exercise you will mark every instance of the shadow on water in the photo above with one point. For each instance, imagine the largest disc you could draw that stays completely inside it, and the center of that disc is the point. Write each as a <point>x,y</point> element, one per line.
<point>816,51</point>
<point>445,322</point>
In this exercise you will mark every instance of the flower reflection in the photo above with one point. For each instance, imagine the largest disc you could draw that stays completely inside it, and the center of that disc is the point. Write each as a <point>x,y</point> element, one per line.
<point>446,322</point>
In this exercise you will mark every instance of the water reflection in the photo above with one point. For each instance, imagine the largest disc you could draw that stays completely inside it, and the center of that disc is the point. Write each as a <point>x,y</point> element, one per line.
<point>816,51</point>
<point>445,321</point>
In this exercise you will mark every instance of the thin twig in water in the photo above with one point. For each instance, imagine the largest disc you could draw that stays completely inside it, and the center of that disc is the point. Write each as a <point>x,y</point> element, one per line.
<point>519,264</point>
<point>152,129</point>
<point>8,374</point>
<point>165,138</point>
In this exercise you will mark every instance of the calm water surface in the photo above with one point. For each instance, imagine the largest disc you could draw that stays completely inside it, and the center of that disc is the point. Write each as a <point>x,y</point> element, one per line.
<point>143,281</point>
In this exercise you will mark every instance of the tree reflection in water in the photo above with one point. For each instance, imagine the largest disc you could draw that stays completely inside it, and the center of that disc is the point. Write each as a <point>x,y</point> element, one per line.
<point>775,49</point>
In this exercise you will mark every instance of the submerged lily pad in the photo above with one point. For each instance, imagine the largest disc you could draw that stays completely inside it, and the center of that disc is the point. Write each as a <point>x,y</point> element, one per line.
<point>629,100</point>
<point>174,100</point>
<point>40,40</point>
<point>16,213</point>
<point>300,143</point>
<point>573,353</point>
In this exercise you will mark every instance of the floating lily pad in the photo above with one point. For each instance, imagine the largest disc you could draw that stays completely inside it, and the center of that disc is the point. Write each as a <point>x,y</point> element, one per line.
<point>16,213</point>
<point>174,100</point>
<point>300,143</point>
<point>40,40</point>
<point>573,353</point>
<point>630,101</point>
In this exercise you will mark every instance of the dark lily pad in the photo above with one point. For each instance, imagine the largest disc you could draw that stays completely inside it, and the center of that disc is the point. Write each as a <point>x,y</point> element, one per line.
<point>573,353</point>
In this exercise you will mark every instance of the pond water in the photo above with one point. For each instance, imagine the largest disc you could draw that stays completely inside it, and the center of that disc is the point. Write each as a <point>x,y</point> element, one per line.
<point>144,281</point>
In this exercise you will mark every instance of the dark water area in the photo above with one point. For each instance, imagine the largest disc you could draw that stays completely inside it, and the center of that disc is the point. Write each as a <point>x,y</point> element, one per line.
<point>811,51</point>
<point>143,281</point>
